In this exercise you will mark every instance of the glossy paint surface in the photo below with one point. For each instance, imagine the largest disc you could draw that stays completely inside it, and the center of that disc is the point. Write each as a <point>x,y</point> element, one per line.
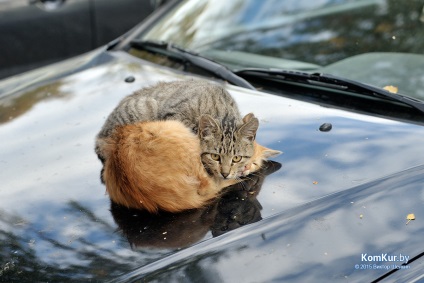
<point>56,223</point>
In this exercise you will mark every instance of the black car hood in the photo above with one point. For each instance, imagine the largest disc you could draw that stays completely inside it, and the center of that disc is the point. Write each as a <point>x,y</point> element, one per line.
<point>334,238</point>
<point>338,194</point>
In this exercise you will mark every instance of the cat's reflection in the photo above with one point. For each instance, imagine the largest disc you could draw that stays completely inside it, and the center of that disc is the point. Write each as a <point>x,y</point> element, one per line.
<point>237,206</point>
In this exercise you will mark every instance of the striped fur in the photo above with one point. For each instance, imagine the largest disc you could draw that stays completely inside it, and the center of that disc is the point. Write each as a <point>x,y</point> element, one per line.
<point>226,140</point>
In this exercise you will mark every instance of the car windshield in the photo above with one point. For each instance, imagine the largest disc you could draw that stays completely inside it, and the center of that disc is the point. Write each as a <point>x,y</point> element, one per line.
<point>376,42</point>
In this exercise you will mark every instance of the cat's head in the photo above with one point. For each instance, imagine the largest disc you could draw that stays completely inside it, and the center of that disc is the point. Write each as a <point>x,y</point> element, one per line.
<point>261,153</point>
<point>226,146</point>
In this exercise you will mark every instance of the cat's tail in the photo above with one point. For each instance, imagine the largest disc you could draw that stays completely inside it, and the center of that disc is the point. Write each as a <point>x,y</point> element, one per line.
<point>121,185</point>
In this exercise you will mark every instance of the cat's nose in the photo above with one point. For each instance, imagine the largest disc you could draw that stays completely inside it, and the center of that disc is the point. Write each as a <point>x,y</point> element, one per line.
<point>225,175</point>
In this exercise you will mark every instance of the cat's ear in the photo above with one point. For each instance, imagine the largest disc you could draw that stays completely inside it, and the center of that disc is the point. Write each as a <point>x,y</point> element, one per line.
<point>267,153</point>
<point>249,127</point>
<point>207,126</point>
<point>248,117</point>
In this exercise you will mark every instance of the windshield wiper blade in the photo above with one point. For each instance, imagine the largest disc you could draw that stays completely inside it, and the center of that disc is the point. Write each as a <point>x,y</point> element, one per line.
<point>206,64</point>
<point>330,81</point>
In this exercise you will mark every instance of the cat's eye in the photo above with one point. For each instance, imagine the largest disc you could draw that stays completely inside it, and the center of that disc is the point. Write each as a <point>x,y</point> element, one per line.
<point>215,157</point>
<point>236,158</point>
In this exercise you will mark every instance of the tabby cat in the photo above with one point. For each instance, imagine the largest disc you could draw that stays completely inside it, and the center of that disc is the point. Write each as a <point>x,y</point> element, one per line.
<point>226,140</point>
<point>157,166</point>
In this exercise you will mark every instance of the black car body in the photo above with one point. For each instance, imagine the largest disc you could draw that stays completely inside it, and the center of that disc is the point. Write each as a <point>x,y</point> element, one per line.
<point>332,208</point>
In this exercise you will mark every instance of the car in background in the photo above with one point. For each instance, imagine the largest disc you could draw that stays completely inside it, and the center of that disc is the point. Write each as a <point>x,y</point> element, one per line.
<point>337,87</point>
<point>39,32</point>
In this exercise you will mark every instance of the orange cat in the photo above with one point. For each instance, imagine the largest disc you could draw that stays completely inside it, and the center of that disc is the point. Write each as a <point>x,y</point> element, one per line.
<point>157,166</point>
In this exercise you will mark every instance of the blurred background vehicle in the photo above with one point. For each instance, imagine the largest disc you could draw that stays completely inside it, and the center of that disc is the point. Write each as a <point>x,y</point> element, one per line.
<point>38,32</point>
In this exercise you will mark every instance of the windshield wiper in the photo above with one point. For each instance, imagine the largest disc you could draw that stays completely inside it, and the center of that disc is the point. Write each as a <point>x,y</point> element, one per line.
<point>330,81</point>
<point>185,56</point>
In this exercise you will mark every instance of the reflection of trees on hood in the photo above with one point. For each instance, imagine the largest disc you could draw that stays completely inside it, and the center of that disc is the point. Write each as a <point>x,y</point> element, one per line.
<point>65,87</point>
<point>18,105</point>
<point>34,252</point>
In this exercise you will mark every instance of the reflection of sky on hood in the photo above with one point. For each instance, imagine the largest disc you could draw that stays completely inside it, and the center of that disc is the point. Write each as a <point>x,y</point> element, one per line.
<point>358,149</point>
<point>316,242</point>
<point>49,164</point>
<point>51,195</point>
